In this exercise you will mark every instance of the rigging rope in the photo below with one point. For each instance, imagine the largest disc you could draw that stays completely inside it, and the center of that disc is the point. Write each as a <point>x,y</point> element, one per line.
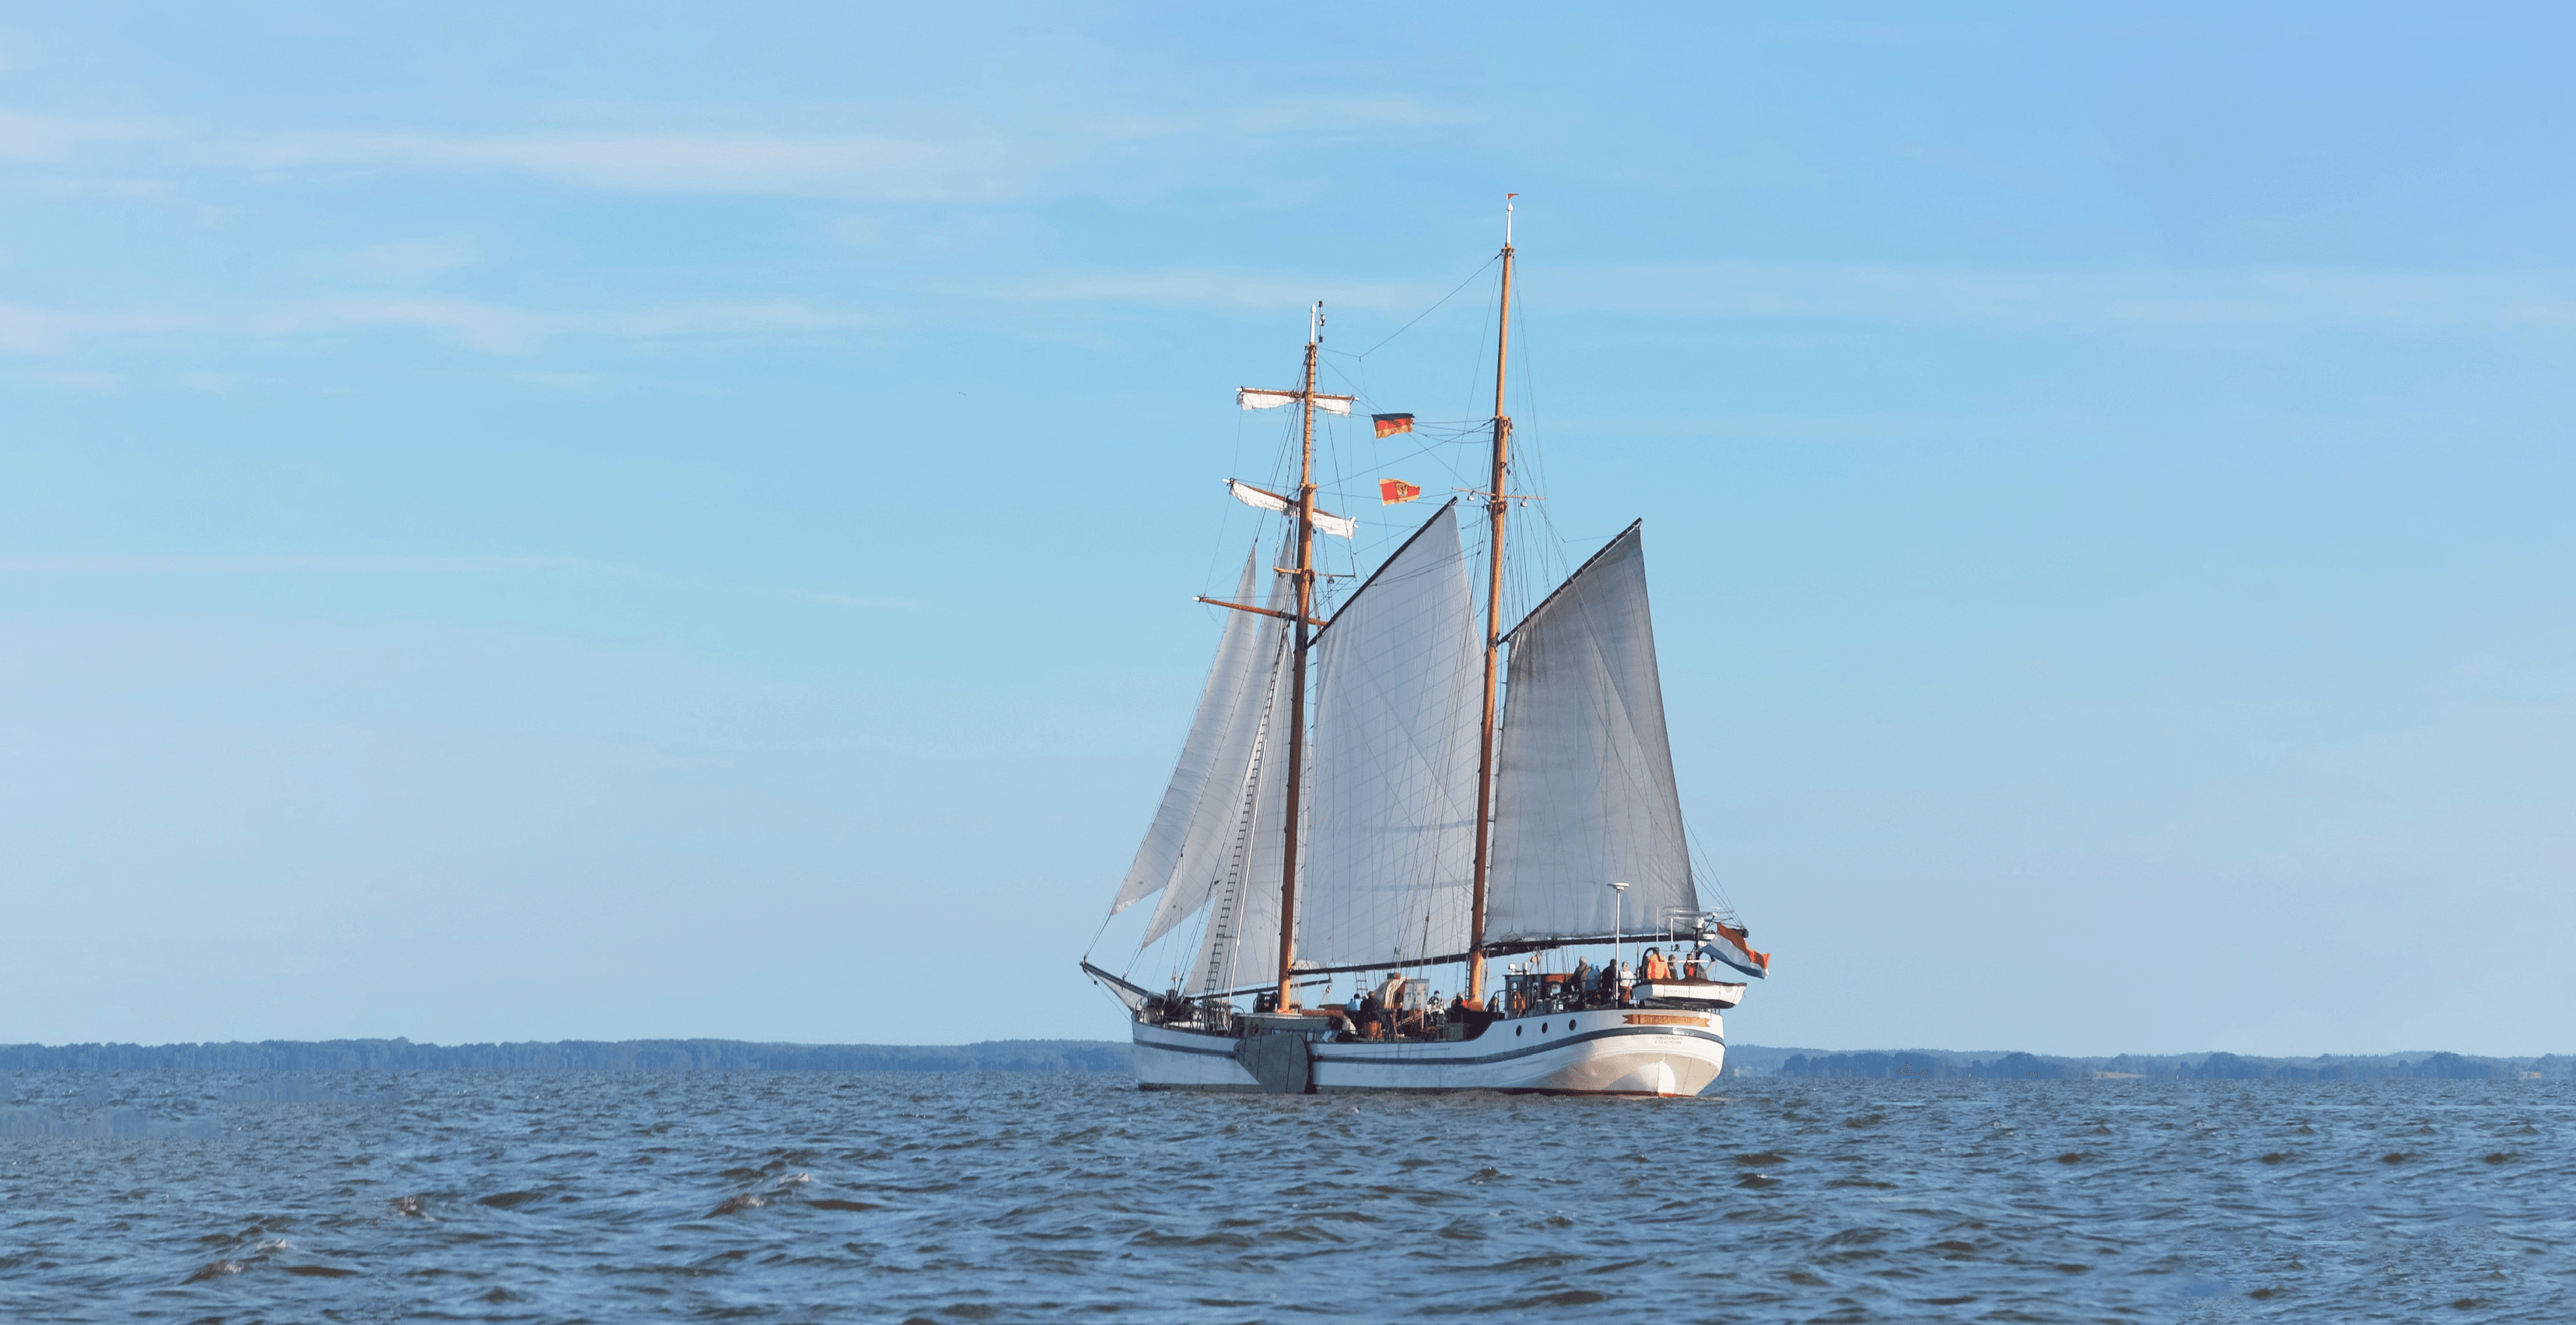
<point>1435,307</point>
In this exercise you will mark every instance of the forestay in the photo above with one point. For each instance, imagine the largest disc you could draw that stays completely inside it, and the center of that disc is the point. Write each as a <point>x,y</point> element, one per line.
<point>1584,793</point>
<point>1391,835</point>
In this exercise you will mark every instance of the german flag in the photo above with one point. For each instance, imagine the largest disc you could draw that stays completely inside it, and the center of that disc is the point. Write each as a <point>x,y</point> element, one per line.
<point>1393,491</point>
<point>1389,425</point>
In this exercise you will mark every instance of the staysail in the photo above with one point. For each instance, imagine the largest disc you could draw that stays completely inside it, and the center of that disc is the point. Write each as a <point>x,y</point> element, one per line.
<point>1216,843</point>
<point>1391,832</point>
<point>1584,793</point>
<point>1238,945</point>
<point>1206,790</point>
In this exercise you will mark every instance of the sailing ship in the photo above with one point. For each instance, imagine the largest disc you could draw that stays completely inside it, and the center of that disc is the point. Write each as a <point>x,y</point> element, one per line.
<point>1409,788</point>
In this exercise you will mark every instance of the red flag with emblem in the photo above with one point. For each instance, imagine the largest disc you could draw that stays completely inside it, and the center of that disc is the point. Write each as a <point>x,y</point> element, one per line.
<point>1391,491</point>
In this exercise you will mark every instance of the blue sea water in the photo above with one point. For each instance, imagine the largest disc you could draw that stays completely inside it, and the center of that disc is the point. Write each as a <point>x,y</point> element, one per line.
<point>204,1197</point>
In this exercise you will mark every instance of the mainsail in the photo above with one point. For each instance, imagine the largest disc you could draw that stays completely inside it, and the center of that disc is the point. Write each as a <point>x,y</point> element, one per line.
<point>1391,828</point>
<point>1584,794</point>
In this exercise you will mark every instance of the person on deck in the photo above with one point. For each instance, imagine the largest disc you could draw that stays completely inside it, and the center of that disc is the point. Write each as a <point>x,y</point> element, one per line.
<point>1581,982</point>
<point>1389,998</point>
<point>1656,969</point>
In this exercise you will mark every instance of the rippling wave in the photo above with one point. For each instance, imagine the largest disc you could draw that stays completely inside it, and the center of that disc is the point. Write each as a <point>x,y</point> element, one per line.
<point>811,1196</point>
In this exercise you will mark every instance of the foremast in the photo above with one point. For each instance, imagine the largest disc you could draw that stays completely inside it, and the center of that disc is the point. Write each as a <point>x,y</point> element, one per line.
<point>1496,505</point>
<point>1305,579</point>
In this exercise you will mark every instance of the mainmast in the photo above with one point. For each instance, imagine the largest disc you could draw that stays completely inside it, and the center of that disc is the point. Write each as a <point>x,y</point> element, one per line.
<point>1495,505</point>
<point>1305,576</point>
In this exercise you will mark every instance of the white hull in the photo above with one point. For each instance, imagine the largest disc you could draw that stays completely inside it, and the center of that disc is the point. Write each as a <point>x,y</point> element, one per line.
<point>1611,1051</point>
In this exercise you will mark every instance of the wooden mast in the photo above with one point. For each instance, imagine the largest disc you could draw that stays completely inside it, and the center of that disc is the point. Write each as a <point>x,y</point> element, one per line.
<point>1297,667</point>
<point>1495,505</point>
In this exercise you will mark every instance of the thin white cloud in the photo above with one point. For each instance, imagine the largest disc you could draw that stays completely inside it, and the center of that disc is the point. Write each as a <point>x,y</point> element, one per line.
<point>849,168</point>
<point>255,565</point>
<point>1223,291</point>
<point>26,330</point>
<point>2286,297</point>
<point>2071,300</point>
<point>103,186</point>
<point>500,329</point>
<point>862,168</point>
<point>40,138</point>
<point>80,379</point>
<point>871,169</point>
<point>553,381</point>
<point>443,566</point>
<point>2295,299</point>
<point>413,258</point>
<point>491,328</point>
<point>1344,114</point>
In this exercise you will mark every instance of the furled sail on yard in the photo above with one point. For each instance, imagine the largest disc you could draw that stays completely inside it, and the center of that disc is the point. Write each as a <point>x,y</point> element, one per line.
<point>1584,793</point>
<point>1339,526</point>
<point>1391,832</point>
<point>1253,397</point>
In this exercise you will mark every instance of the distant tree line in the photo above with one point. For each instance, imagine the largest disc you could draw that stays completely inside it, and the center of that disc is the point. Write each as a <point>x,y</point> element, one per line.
<point>1931,1064</point>
<point>570,1056</point>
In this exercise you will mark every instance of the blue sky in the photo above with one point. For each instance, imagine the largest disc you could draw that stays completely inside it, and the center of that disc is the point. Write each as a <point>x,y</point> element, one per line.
<point>597,522</point>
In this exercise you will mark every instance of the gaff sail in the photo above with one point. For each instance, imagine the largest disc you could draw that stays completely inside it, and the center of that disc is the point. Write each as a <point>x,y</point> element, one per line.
<point>1584,794</point>
<point>1391,829</point>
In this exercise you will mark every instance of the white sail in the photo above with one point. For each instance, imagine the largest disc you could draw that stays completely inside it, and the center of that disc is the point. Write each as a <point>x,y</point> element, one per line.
<point>1339,526</point>
<point>1583,792</point>
<point>1239,946</point>
<point>1391,833</point>
<point>1251,397</point>
<point>1198,842</point>
<point>1208,780</point>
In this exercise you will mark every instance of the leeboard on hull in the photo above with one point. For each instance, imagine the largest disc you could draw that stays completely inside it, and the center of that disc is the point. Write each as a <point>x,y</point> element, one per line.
<point>1612,1051</point>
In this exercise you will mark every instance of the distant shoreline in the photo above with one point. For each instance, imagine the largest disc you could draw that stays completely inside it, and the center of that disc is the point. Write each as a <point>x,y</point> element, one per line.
<point>1110,1056</point>
<point>401,1055</point>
